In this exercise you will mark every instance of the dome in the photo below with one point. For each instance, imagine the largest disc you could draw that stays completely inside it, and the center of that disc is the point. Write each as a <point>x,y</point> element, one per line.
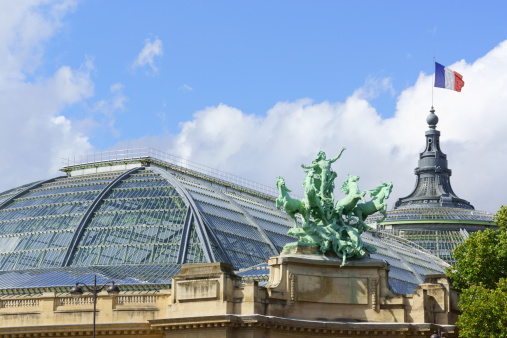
<point>432,216</point>
<point>136,217</point>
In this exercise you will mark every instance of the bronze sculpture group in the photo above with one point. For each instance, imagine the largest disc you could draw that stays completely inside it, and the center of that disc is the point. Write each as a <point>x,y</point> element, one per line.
<point>329,226</point>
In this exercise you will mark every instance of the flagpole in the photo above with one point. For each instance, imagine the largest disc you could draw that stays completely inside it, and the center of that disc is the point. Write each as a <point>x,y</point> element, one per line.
<point>433,78</point>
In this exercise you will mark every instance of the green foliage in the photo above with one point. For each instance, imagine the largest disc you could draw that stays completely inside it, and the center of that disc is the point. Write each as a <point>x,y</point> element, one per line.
<point>482,259</point>
<point>484,311</point>
<point>481,274</point>
<point>500,218</point>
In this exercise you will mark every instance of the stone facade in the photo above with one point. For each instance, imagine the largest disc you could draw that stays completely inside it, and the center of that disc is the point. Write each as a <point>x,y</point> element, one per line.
<point>307,295</point>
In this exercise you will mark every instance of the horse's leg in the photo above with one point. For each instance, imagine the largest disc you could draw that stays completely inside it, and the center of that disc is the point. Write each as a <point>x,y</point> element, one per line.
<point>349,215</point>
<point>359,214</point>
<point>293,216</point>
<point>361,222</point>
<point>302,212</point>
<point>383,212</point>
<point>340,213</point>
<point>362,196</point>
<point>308,213</point>
<point>344,253</point>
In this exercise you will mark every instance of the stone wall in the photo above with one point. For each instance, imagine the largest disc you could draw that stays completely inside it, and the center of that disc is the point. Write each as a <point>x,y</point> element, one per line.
<point>305,295</point>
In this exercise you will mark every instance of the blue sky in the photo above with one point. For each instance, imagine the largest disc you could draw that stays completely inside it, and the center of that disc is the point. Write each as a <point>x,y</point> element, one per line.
<point>219,79</point>
<point>252,54</point>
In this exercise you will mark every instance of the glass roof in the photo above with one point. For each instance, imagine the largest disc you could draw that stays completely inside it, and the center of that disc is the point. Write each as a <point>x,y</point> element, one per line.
<point>137,225</point>
<point>434,213</point>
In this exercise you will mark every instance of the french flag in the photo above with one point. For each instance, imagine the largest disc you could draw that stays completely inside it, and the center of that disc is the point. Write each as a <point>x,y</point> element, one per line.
<point>447,78</point>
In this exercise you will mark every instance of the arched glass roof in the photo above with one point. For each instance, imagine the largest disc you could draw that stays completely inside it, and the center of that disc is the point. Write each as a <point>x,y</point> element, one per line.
<point>137,220</point>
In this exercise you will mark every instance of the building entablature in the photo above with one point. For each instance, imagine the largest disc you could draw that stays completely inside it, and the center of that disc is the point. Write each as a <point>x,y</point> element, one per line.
<point>304,294</point>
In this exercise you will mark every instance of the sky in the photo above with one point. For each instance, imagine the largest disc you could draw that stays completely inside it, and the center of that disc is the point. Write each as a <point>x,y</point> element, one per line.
<point>256,88</point>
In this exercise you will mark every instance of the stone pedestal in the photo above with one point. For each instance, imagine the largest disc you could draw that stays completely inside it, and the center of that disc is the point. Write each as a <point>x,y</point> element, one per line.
<point>309,285</point>
<point>211,285</point>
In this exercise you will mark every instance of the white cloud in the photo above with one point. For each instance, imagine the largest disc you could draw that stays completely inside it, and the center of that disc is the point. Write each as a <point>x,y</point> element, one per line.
<point>374,86</point>
<point>24,27</point>
<point>148,53</point>
<point>34,133</point>
<point>185,89</point>
<point>108,107</point>
<point>473,125</point>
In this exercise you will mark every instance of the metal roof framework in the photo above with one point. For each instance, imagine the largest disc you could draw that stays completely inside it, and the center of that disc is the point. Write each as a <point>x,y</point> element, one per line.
<point>137,226</point>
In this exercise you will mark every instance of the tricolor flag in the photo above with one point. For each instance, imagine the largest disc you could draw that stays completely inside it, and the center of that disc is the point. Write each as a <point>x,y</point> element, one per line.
<point>447,78</point>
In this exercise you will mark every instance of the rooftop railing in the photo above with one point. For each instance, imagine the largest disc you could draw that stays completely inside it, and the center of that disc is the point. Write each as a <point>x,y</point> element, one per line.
<point>172,160</point>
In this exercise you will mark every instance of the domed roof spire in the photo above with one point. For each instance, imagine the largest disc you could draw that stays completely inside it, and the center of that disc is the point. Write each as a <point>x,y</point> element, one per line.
<point>433,185</point>
<point>432,119</point>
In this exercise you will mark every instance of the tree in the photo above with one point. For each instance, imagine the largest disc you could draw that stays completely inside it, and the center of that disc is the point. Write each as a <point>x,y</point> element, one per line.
<point>484,311</point>
<point>480,273</point>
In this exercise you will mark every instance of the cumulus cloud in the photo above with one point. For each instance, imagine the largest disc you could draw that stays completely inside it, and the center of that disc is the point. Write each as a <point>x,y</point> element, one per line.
<point>148,54</point>
<point>33,131</point>
<point>108,107</point>
<point>374,86</point>
<point>473,125</point>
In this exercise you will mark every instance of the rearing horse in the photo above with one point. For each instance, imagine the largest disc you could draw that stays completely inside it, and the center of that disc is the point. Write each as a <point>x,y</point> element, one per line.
<point>290,205</point>
<point>345,205</point>
<point>380,193</point>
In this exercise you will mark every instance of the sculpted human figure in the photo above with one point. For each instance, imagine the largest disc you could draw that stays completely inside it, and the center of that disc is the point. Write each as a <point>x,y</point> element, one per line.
<point>324,225</point>
<point>322,168</point>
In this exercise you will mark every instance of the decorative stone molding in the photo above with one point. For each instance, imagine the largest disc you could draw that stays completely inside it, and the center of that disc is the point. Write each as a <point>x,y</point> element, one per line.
<point>292,280</point>
<point>373,292</point>
<point>240,326</point>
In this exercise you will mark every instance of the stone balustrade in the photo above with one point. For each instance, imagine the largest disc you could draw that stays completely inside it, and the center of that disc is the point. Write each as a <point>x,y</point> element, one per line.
<point>136,299</point>
<point>71,301</point>
<point>19,303</point>
<point>50,308</point>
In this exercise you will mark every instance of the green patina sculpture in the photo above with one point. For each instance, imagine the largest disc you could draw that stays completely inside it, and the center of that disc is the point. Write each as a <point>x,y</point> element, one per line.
<point>329,226</point>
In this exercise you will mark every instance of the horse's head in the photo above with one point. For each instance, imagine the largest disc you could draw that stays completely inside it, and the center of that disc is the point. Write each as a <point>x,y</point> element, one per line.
<point>388,187</point>
<point>280,182</point>
<point>308,176</point>
<point>352,178</point>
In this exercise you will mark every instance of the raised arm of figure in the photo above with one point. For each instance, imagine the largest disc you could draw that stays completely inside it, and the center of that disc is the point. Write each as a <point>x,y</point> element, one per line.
<point>313,166</point>
<point>337,157</point>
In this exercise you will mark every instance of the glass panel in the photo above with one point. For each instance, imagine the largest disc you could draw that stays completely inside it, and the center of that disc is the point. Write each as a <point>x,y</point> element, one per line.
<point>136,177</point>
<point>194,254</point>
<point>96,187</point>
<point>279,228</point>
<point>145,184</point>
<point>44,211</point>
<point>28,202</point>
<point>241,260</point>
<point>233,228</point>
<point>165,253</point>
<point>239,244</point>
<point>39,224</point>
<point>280,240</point>
<point>69,183</point>
<point>221,212</point>
<point>266,216</point>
